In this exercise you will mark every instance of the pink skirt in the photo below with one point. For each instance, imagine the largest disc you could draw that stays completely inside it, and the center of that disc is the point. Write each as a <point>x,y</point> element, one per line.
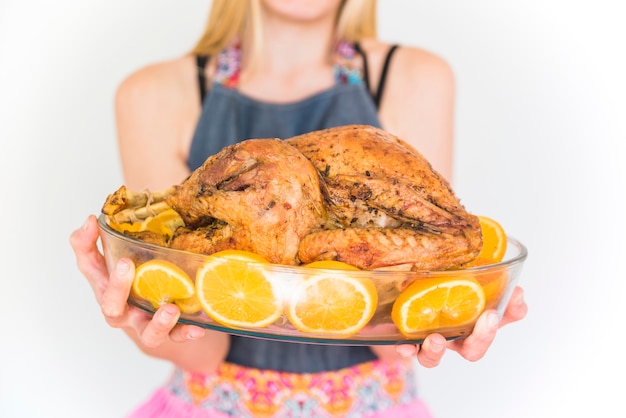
<point>375,389</point>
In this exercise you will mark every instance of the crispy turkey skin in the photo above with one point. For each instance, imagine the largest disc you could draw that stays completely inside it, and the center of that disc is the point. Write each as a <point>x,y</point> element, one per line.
<point>355,193</point>
<point>394,208</point>
<point>264,190</point>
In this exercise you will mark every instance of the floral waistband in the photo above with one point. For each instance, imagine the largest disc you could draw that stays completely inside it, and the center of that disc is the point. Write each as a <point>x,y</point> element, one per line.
<point>244,392</point>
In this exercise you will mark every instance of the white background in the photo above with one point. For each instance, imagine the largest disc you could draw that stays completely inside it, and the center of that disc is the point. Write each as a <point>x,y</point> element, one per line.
<point>540,147</point>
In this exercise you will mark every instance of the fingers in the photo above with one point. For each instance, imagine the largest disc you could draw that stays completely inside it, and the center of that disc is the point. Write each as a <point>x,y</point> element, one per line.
<point>88,258</point>
<point>184,332</point>
<point>153,330</point>
<point>429,353</point>
<point>407,350</point>
<point>112,291</point>
<point>115,292</point>
<point>83,241</point>
<point>474,347</point>
<point>83,238</point>
<point>158,329</point>
<point>516,309</point>
<point>432,350</point>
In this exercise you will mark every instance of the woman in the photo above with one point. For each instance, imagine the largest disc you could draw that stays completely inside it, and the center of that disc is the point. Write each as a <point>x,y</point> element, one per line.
<point>275,68</point>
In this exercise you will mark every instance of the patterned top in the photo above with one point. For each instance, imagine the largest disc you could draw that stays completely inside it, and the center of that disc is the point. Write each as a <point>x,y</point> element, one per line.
<point>346,71</point>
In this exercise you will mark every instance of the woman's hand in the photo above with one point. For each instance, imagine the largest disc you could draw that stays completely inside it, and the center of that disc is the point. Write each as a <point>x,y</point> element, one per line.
<point>112,289</point>
<point>474,346</point>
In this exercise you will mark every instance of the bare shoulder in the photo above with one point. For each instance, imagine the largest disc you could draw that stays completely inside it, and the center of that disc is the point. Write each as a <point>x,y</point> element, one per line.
<point>416,77</point>
<point>422,60</point>
<point>410,65</point>
<point>167,83</point>
<point>418,100</point>
<point>417,71</point>
<point>156,109</point>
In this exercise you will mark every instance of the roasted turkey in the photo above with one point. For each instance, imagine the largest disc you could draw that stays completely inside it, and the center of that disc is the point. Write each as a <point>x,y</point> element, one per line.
<point>394,209</point>
<point>260,195</point>
<point>355,193</point>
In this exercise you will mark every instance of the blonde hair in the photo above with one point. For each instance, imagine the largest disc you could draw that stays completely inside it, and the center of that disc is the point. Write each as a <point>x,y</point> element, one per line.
<point>242,18</point>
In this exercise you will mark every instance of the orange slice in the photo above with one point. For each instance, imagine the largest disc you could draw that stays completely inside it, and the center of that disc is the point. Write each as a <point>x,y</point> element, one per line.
<point>126,226</point>
<point>164,223</point>
<point>234,290</point>
<point>494,284</point>
<point>160,282</point>
<point>494,243</point>
<point>435,303</point>
<point>189,305</point>
<point>494,240</point>
<point>327,303</point>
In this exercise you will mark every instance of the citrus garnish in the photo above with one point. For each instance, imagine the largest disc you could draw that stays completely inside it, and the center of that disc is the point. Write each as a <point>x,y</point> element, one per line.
<point>127,226</point>
<point>434,303</point>
<point>160,282</point>
<point>493,250</point>
<point>164,223</point>
<point>234,291</point>
<point>494,240</point>
<point>189,305</point>
<point>494,284</point>
<point>327,303</point>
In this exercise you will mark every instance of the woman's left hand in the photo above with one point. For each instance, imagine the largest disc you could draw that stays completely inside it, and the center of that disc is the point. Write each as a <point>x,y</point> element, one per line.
<point>474,346</point>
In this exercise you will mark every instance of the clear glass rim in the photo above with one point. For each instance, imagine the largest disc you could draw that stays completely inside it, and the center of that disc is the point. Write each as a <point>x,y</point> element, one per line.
<point>520,253</point>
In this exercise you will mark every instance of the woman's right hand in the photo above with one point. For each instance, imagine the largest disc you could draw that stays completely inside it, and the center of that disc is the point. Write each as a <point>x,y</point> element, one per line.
<point>157,334</point>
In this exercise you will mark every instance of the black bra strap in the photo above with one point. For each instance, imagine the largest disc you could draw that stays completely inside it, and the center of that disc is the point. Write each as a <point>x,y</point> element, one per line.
<point>383,76</point>
<point>366,75</point>
<point>201,61</point>
<point>377,97</point>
